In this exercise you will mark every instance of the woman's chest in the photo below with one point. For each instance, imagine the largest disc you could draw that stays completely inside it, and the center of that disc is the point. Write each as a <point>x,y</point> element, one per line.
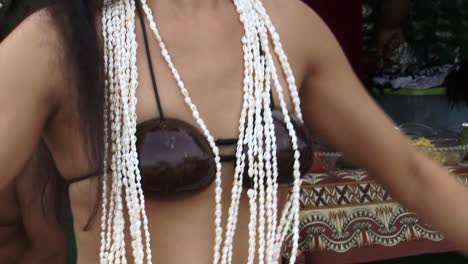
<point>209,79</point>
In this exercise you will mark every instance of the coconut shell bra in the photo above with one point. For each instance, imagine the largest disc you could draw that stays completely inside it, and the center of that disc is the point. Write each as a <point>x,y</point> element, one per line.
<point>175,157</point>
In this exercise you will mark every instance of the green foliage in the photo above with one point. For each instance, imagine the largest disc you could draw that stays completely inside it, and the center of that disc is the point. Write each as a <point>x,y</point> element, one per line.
<point>434,28</point>
<point>464,136</point>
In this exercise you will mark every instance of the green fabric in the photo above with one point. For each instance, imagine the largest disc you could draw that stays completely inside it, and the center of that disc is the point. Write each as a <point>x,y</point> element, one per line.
<point>71,241</point>
<point>463,137</point>
<point>412,92</point>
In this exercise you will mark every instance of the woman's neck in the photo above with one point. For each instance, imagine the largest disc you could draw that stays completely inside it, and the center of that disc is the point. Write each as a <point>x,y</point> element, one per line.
<point>191,5</point>
<point>188,10</point>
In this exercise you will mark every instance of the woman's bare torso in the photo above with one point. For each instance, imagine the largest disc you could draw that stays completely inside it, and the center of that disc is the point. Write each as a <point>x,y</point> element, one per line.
<point>13,241</point>
<point>26,223</point>
<point>206,48</point>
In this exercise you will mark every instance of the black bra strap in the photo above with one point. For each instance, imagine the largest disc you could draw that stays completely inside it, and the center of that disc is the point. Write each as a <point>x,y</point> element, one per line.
<point>227,158</point>
<point>272,100</point>
<point>150,62</point>
<point>226,141</point>
<point>84,177</point>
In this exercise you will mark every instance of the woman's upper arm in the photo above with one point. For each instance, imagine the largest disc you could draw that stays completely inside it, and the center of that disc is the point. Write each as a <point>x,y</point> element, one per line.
<point>29,74</point>
<point>339,109</point>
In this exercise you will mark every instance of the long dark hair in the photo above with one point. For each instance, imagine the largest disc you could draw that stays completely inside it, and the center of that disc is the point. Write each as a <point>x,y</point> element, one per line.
<point>76,20</point>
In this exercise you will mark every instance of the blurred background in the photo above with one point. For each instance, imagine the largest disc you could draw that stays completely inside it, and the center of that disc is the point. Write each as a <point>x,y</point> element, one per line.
<point>411,55</point>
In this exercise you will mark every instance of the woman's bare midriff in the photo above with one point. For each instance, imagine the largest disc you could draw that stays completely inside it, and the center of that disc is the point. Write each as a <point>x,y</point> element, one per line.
<point>182,228</point>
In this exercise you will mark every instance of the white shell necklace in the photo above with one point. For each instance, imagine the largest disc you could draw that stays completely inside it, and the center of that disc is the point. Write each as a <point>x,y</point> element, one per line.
<point>256,147</point>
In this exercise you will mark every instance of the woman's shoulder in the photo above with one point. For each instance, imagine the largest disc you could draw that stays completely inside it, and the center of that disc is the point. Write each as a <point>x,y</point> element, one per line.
<point>295,19</point>
<point>294,11</point>
<point>38,30</point>
<point>300,28</point>
<point>34,50</point>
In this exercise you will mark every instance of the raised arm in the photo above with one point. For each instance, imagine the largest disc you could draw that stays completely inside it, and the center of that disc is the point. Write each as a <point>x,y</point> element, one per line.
<point>336,106</point>
<point>29,90</point>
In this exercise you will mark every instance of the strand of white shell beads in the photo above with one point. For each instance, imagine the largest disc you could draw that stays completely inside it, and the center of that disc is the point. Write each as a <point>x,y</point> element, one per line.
<point>256,148</point>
